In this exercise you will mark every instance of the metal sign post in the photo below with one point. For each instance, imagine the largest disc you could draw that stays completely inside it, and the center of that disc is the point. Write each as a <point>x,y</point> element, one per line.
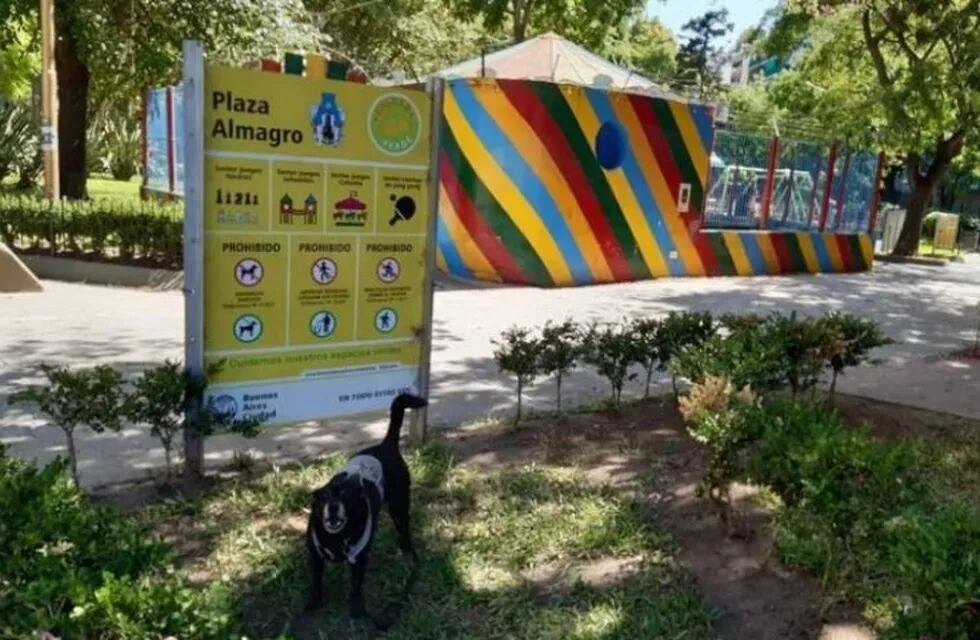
<point>435,88</point>
<point>193,237</point>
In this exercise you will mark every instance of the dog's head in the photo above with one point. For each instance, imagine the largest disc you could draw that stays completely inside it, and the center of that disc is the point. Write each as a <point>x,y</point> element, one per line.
<point>341,502</point>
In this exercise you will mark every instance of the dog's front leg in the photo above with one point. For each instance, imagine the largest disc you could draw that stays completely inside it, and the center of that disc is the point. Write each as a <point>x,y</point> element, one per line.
<point>316,583</point>
<point>357,572</point>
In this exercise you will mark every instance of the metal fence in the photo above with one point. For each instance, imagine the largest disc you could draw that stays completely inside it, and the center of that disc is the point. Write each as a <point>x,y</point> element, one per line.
<point>757,182</point>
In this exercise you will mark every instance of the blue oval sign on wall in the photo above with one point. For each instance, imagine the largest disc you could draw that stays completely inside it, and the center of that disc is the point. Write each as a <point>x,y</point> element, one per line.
<point>610,145</point>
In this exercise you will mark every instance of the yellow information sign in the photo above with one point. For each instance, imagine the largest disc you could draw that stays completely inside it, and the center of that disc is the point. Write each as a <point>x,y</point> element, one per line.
<point>316,226</point>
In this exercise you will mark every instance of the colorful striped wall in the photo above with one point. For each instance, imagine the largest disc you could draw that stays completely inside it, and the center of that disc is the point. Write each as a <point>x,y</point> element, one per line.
<point>524,198</point>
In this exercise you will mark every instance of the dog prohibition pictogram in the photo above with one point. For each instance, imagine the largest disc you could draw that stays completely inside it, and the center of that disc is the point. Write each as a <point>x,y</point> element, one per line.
<point>247,328</point>
<point>249,272</point>
<point>388,270</point>
<point>322,324</point>
<point>324,271</point>
<point>385,320</point>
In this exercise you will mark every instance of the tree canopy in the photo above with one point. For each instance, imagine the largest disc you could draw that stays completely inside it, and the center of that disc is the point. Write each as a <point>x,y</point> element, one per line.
<point>903,74</point>
<point>645,45</point>
<point>699,47</point>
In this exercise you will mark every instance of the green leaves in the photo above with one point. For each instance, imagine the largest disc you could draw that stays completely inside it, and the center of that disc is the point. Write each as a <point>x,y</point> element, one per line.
<point>517,352</point>
<point>82,397</point>
<point>148,232</point>
<point>80,571</point>
<point>612,349</point>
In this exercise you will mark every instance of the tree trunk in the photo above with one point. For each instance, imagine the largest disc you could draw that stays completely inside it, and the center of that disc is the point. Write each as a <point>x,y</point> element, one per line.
<point>558,393</point>
<point>73,84</point>
<point>922,187</point>
<point>72,456</point>
<point>520,396</point>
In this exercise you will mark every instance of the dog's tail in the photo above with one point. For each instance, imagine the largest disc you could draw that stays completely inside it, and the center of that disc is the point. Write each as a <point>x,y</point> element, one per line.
<point>398,406</point>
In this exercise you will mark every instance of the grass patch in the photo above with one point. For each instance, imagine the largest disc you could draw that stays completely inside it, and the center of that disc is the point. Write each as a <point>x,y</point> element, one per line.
<point>926,248</point>
<point>483,536</point>
<point>100,188</point>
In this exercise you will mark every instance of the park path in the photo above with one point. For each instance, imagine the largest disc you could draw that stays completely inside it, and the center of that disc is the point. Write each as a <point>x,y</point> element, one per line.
<point>927,310</point>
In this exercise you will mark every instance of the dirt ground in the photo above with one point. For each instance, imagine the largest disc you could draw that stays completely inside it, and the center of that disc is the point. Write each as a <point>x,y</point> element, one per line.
<point>644,451</point>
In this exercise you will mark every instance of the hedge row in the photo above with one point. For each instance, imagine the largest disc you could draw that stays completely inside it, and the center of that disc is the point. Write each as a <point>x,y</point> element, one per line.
<point>142,232</point>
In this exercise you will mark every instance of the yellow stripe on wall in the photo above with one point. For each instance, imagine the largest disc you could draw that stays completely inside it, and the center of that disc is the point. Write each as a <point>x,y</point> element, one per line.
<point>539,158</point>
<point>699,156</point>
<point>511,199</point>
<point>733,241</point>
<point>867,249</point>
<point>768,253</point>
<point>633,212</point>
<point>469,250</point>
<point>654,177</point>
<point>832,250</point>
<point>809,252</point>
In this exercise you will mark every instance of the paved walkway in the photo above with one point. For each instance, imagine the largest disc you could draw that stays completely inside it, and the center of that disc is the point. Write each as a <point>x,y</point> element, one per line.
<point>927,310</point>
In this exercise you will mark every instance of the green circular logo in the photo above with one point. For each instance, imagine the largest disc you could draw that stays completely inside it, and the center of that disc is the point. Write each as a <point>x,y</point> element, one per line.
<point>394,124</point>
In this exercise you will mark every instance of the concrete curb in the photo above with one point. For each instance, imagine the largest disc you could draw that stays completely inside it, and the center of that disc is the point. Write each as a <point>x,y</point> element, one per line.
<point>71,270</point>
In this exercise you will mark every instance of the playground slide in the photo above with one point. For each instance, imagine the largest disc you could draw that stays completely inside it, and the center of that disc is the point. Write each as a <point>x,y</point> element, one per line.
<point>15,277</point>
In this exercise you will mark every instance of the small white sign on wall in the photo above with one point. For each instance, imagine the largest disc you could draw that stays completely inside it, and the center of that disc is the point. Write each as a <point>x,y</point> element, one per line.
<point>684,197</point>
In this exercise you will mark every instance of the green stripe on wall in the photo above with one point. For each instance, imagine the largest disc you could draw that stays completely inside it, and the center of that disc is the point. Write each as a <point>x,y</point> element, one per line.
<point>859,262</point>
<point>487,206</point>
<point>679,150</point>
<point>550,95</point>
<point>726,266</point>
<point>795,253</point>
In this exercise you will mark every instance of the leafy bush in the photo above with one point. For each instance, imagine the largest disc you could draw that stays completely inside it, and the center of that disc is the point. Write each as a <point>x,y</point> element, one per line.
<point>560,348</point>
<point>83,397</point>
<point>115,139</point>
<point>716,416</point>
<point>805,343</point>
<point>612,349</point>
<point>79,571</point>
<point>18,138</point>
<point>853,339</point>
<point>678,331</point>
<point>746,356</point>
<point>105,230</point>
<point>863,514</point>
<point>646,333</point>
<point>517,352</point>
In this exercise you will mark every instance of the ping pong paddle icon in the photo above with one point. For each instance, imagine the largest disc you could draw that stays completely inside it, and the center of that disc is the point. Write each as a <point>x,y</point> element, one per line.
<point>404,209</point>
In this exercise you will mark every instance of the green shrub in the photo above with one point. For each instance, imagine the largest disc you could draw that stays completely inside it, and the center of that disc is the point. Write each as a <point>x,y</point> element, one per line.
<point>80,571</point>
<point>853,339</point>
<point>810,458</point>
<point>716,415</point>
<point>517,352</point>
<point>748,357</point>
<point>612,349</point>
<point>679,331</point>
<point>105,230</point>
<point>805,343</point>
<point>75,398</point>
<point>560,349</point>
<point>863,514</point>
<point>646,333</point>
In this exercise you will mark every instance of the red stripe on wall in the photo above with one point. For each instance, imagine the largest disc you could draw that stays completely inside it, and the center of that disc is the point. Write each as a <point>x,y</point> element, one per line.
<point>658,143</point>
<point>707,253</point>
<point>482,234</point>
<point>552,137</point>
<point>782,252</point>
<point>845,251</point>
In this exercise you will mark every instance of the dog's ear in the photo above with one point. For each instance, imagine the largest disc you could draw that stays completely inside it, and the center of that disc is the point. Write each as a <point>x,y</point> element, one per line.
<point>320,495</point>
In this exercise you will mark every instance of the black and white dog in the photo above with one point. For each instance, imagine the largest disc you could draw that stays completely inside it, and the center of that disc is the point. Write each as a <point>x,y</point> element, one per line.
<point>345,512</point>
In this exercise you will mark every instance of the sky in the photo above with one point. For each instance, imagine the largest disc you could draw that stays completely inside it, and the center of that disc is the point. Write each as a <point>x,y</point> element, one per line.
<point>744,13</point>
